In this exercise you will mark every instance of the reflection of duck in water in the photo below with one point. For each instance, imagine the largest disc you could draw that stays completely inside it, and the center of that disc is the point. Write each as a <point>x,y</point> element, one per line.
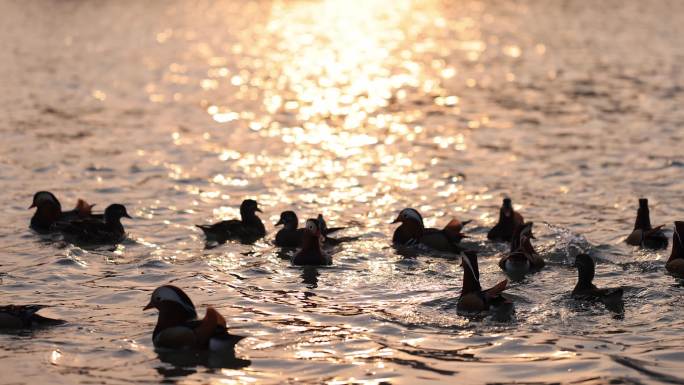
<point>509,220</point>
<point>585,290</point>
<point>412,231</point>
<point>24,317</point>
<point>178,326</point>
<point>310,276</point>
<point>49,211</point>
<point>675,265</point>
<point>248,229</point>
<point>644,234</point>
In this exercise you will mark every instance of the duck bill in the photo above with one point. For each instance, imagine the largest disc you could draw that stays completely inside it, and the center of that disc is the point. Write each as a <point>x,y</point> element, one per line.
<point>127,216</point>
<point>148,306</point>
<point>396,221</point>
<point>32,206</point>
<point>280,222</point>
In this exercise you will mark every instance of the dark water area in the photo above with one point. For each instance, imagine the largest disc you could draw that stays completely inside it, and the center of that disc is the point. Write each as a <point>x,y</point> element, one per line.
<point>355,110</point>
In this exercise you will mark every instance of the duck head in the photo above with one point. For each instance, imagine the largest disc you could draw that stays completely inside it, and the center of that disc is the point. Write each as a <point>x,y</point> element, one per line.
<point>409,215</point>
<point>312,237</point>
<point>289,220</point>
<point>248,208</point>
<point>114,213</point>
<point>677,241</point>
<point>585,270</point>
<point>643,219</point>
<point>45,199</point>
<point>172,302</point>
<point>48,209</point>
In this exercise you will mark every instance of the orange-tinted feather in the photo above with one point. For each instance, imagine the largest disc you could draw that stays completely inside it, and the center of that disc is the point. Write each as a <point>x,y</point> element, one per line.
<point>211,320</point>
<point>497,289</point>
<point>84,208</point>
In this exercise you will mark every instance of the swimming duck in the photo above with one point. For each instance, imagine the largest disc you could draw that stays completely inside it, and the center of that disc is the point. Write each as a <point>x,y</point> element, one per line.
<point>49,211</point>
<point>587,291</point>
<point>473,298</point>
<point>292,236</point>
<point>644,234</point>
<point>523,258</point>
<point>24,317</point>
<point>311,253</point>
<point>412,231</point>
<point>178,327</point>
<point>675,265</point>
<point>247,230</point>
<point>509,220</point>
<point>96,231</point>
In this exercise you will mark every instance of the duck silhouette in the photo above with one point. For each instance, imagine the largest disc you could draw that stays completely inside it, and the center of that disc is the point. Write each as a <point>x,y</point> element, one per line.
<point>509,220</point>
<point>247,230</point>
<point>107,230</point>
<point>412,231</point>
<point>585,290</point>
<point>49,211</point>
<point>644,235</point>
<point>178,327</point>
<point>675,265</point>
<point>24,317</point>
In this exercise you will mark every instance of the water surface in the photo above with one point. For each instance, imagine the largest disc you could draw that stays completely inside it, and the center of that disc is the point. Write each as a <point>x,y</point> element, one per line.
<point>354,109</point>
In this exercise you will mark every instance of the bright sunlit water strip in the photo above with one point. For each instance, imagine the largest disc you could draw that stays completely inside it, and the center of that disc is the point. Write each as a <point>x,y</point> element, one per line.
<point>353,109</point>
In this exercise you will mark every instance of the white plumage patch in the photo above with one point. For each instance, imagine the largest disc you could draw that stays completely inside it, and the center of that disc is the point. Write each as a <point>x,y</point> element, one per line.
<point>167,294</point>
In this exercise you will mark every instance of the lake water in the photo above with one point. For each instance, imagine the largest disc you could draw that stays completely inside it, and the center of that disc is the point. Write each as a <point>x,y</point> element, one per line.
<point>353,109</point>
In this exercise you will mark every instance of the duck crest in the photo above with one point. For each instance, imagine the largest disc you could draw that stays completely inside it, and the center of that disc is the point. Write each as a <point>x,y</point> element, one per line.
<point>677,245</point>
<point>643,219</point>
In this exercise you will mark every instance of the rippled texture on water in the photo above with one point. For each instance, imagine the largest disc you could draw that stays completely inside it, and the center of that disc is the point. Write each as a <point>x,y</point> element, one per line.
<point>354,109</point>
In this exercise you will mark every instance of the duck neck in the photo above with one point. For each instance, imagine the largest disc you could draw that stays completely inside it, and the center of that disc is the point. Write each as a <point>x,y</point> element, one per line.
<point>677,247</point>
<point>585,277</point>
<point>47,214</point>
<point>643,219</point>
<point>471,283</point>
<point>311,245</point>
<point>172,314</point>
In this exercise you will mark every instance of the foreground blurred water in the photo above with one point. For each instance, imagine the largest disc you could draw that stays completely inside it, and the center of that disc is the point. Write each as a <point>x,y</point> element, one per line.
<point>354,109</point>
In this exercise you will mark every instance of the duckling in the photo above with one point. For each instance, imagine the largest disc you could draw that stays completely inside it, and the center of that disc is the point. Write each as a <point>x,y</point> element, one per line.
<point>523,258</point>
<point>509,220</point>
<point>675,265</point>
<point>473,298</point>
<point>247,230</point>
<point>109,230</point>
<point>311,253</point>
<point>292,236</point>
<point>643,234</point>
<point>24,317</point>
<point>585,289</point>
<point>412,231</point>
<point>178,327</point>
<point>49,211</point>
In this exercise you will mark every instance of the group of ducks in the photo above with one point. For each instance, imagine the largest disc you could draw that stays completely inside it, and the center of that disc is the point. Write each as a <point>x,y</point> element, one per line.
<point>178,326</point>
